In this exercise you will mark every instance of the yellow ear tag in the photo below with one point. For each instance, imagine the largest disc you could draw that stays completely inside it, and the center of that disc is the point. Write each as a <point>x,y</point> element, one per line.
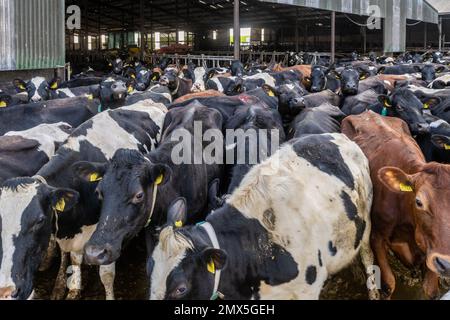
<point>405,188</point>
<point>54,86</point>
<point>154,78</point>
<point>90,96</point>
<point>133,76</point>
<point>179,224</point>
<point>211,267</point>
<point>2,104</point>
<point>110,65</point>
<point>270,93</point>
<point>426,106</point>
<point>387,105</point>
<point>130,89</point>
<point>94,177</point>
<point>447,146</point>
<point>22,87</point>
<point>159,180</point>
<point>60,205</point>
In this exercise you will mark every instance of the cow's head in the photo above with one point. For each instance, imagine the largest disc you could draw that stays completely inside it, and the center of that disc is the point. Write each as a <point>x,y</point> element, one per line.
<point>126,191</point>
<point>27,209</point>
<point>427,194</point>
<point>410,109</point>
<point>237,69</point>
<point>350,78</point>
<point>170,79</point>
<point>38,88</point>
<point>112,92</point>
<point>319,78</point>
<point>117,66</point>
<point>200,76</point>
<point>183,263</point>
<point>429,72</point>
<point>290,97</point>
<point>143,79</point>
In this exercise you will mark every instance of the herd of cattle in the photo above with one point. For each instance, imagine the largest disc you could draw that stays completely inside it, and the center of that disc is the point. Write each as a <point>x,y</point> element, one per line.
<point>362,171</point>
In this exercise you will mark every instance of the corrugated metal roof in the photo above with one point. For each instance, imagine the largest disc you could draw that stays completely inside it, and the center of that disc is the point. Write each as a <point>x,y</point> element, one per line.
<point>442,6</point>
<point>32,34</point>
<point>412,9</point>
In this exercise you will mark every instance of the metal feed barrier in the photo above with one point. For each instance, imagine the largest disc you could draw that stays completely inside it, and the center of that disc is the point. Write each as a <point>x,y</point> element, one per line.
<point>202,60</point>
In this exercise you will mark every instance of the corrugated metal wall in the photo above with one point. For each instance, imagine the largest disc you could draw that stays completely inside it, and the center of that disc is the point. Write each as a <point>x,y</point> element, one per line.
<point>7,43</point>
<point>415,9</point>
<point>32,35</point>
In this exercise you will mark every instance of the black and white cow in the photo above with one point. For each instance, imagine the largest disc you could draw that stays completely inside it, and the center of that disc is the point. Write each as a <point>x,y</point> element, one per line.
<point>436,144</point>
<point>38,88</point>
<point>73,111</point>
<point>201,76</point>
<point>178,86</point>
<point>157,94</point>
<point>272,232</point>
<point>56,200</point>
<point>136,190</point>
<point>264,127</point>
<point>360,103</point>
<point>320,120</point>
<point>323,78</point>
<point>317,99</point>
<point>23,153</point>
<point>81,82</point>
<point>7,100</point>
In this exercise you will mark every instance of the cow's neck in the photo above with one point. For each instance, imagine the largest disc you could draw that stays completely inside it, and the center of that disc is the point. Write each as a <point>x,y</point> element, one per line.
<point>249,250</point>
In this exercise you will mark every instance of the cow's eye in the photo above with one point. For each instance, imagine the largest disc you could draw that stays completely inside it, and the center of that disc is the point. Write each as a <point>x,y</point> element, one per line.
<point>180,292</point>
<point>40,221</point>
<point>419,203</point>
<point>139,197</point>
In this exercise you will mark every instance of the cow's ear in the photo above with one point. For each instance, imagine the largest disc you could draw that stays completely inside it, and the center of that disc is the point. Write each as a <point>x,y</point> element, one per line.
<point>5,101</point>
<point>385,101</point>
<point>431,102</point>
<point>381,70</point>
<point>177,213</point>
<point>89,171</point>
<point>20,85</point>
<point>214,200</point>
<point>270,91</point>
<point>417,69</point>
<point>335,74</point>
<point>364,75</point>
<point>441,142</point>
<point>441,69</point>
<point>155,76</point>
<point>55,83</point>
<point>396,180</point>
<point>214,259</point>
<point>439,84</point>
<point>210,74</point>
<point>63,200</point>
<point>158,174</point>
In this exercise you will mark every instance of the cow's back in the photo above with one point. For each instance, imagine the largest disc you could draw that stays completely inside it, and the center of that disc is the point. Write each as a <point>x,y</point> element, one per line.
<point>314,197</point>
<point>73,111</point>
<point>386,142</point>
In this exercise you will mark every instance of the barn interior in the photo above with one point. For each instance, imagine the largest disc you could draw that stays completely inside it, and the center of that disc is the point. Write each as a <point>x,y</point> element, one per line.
<point>206,27</point>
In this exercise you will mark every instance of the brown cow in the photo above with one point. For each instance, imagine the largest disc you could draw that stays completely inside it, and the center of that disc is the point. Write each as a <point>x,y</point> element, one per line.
<point>305,69</point>
<point>411,208</point>
<point>204,94</point>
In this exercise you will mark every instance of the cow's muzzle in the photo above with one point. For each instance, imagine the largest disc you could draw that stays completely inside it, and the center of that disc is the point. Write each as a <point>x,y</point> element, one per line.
<point>439,264</point>
<point>99,255</point>
<point>8,293</point>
